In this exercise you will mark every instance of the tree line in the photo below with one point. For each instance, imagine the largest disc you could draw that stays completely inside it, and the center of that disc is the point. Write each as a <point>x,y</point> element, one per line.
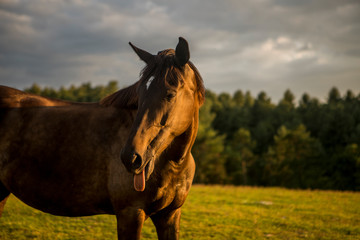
<point>247,140</point>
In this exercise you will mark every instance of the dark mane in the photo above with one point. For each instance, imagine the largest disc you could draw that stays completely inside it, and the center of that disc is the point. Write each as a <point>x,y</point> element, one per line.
<point>163,68</point>
<point>199,82</point>
<point>124,98</point>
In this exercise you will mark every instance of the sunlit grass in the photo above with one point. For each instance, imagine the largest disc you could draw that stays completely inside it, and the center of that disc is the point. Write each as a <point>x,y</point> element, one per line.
<point>212,212</point>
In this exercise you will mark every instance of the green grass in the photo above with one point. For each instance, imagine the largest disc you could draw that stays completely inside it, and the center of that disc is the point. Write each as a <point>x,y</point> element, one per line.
<point>212,212</point>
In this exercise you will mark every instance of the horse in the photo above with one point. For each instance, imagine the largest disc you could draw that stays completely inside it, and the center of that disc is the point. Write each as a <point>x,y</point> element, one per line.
<point>128,155</point>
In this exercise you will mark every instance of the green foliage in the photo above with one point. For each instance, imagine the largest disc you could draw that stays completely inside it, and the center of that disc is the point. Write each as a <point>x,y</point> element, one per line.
<point>252,141</point>
<point>292,160</point>
<point>240,157</point>
<point>297,146</point>
<point>211,212</point>
<point>84,93</point>
<point>207,150</point>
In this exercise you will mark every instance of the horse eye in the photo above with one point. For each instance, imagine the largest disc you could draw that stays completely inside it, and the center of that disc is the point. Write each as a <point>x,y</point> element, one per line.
<point>170,95</point>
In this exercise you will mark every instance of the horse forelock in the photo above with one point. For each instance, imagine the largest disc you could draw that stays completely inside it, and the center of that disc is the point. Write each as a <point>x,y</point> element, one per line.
<point>163,68</point>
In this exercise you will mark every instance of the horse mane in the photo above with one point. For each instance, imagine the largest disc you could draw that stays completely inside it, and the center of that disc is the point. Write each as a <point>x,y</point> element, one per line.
<point>199,82</point>
<point>163,68</point>
<point>124,98</point>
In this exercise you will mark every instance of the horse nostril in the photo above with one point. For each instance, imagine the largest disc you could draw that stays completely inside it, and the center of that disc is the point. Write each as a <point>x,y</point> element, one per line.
<point>136,162</point>
<point>131,159</point>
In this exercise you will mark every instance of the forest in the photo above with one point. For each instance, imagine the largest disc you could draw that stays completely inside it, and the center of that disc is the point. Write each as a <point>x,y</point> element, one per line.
<point>247,140</point>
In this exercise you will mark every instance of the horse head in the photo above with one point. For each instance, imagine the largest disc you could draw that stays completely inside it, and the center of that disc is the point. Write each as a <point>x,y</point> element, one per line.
<point>170,92</point>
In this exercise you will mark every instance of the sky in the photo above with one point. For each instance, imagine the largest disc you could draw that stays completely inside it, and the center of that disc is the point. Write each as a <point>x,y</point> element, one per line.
<point>249,45</point>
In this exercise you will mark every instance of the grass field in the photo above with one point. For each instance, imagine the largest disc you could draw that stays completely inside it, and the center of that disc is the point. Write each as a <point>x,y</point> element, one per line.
<point>212,212</point>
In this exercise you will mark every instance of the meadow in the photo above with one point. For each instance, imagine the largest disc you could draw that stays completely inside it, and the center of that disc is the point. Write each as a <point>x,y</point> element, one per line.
<point>212,212</point>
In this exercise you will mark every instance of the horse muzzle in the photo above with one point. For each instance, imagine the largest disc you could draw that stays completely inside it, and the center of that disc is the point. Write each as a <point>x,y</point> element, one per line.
<point>135,164</point>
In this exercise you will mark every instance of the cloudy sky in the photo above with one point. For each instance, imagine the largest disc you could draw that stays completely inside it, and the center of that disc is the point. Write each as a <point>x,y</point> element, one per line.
<point>256,45</point>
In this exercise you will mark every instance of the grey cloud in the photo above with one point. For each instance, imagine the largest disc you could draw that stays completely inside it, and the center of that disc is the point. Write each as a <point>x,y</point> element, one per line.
<point>268,45</point>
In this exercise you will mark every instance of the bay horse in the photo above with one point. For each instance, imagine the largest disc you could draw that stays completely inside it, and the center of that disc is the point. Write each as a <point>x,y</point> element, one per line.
<point>128,155</point>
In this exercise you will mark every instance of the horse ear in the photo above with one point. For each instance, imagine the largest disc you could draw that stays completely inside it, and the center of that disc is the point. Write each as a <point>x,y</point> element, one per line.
<point>143,55</point>
<point>182,52</point>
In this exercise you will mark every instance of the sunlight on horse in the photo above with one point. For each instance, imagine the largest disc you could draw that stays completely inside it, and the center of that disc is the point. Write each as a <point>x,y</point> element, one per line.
<point>128,155</point>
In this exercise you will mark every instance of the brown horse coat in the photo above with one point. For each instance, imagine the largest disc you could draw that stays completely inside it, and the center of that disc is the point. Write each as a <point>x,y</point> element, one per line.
<point>128,155</point>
